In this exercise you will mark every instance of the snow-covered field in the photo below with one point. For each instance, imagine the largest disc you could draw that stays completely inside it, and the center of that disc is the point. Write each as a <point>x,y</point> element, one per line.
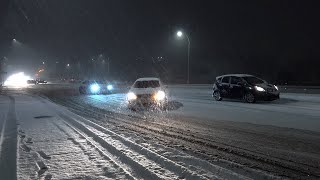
<point>97,137</point>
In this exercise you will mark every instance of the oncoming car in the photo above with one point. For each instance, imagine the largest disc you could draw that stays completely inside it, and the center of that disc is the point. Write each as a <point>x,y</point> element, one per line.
<point>244,86</point>
<point>147,92</point>
<point>95,87</point>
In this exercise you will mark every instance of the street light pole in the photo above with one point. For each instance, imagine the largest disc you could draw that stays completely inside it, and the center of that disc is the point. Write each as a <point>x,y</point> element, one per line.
<point>179,34</point>
<point>188,80</point>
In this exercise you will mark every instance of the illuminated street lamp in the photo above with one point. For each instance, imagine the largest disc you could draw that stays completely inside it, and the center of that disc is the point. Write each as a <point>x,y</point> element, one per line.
<point>180,34</point>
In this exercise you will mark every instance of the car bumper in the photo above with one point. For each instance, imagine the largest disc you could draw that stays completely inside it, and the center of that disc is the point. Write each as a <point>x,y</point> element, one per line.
<point>146,102</point>
<point>267,96</point>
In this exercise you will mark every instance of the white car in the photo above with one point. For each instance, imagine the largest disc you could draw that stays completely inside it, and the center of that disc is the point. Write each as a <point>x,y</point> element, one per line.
<point>147,92</point>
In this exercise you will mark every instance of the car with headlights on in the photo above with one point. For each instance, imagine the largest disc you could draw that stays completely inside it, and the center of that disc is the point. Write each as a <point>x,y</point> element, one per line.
<point>95,87</point>
<point>244,86</point>
<point>147,92</point>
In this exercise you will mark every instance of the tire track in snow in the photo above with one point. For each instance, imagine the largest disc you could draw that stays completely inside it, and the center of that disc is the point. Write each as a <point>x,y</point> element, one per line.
<point>96,146</point>
<point>283,164</point>
<point>146,163</point>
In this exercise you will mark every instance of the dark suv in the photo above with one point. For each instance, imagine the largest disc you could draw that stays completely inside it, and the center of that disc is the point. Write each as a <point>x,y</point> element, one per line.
<point>244,86</point>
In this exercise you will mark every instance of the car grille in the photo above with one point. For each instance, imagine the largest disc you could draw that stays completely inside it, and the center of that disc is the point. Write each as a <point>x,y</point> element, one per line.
<point>271,90</point>
<point>144,96</point>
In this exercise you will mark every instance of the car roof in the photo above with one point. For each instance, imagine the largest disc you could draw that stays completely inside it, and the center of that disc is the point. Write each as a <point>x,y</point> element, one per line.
<point>237,75</point>
<point>148,79</point>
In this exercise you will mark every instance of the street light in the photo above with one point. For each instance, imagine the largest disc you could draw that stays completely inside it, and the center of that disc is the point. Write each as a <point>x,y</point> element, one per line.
<point>180,34</point>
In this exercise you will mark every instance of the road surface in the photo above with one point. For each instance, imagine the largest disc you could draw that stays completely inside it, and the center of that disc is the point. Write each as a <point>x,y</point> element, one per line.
<point>96,137</point>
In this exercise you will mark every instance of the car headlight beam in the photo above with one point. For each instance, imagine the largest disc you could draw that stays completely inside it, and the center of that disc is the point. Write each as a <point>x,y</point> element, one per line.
<point>160,95</point>
<point>94,88</point>
<point>258,88</point>
<point>276,87</point>
<point>131,96</point>
<point>110,87</point>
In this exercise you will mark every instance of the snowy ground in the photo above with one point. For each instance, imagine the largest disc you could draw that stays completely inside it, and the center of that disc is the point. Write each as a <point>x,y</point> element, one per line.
<point>54,143</point>
<point>96,137</point>
<point>293,110</point>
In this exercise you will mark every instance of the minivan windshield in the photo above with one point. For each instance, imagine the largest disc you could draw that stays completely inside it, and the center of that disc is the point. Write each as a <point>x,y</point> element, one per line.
<point>147,84</point>
<point>253,80</point>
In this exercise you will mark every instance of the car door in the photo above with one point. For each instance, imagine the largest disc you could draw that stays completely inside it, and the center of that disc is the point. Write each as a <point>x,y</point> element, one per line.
<point>225,86</point>
<point>236,88</point>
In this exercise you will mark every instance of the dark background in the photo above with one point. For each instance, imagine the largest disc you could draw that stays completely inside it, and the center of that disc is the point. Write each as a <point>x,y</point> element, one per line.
<point>277,40</point>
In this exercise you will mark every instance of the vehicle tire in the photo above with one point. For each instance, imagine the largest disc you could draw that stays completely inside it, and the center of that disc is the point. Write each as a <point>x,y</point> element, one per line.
<point>82,91</point>
<point>217,96</point>
<point>249,97</point>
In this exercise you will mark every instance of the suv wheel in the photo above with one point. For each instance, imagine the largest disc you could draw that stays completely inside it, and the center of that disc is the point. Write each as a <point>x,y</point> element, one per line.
<point>249,97</point>
<point>217,96</point>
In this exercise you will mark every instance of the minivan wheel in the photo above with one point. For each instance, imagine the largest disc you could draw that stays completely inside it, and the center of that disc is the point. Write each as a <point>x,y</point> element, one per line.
<point>217,96</point>
<point>249,97</point>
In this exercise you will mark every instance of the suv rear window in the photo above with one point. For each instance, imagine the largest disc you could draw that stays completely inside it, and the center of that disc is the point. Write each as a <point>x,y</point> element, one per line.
<point>147,84</point>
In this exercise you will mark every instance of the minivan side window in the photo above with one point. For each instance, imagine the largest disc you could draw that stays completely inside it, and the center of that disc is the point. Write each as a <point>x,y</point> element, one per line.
<point>225,80</point>
<point>235,80</point>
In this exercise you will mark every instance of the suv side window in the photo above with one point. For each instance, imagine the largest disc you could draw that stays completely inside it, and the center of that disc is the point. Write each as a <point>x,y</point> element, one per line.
<point>225,79</point>
<point>235,80</point>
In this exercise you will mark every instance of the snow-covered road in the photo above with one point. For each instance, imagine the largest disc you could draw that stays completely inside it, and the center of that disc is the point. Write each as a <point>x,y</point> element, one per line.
<point>300,111</point>
<point>54,143</point>
<point>97,137</point>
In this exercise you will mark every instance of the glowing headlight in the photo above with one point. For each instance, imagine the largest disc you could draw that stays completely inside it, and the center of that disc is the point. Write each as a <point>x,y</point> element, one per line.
<point>17,80</point>
<point>276,87</point>
<point>131,96</point>
<point>95,88</point>
<point>160,95</point>
<point>110,87</point>
<point>259,88</point>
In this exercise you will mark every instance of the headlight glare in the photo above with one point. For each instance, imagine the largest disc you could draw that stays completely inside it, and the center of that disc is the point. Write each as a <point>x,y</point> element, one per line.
<point>160,95</point>
<point>276,87</point>
<point>95,88</point>
<point>258,88</point>
<point>131,96</point>
<point>110,87</point>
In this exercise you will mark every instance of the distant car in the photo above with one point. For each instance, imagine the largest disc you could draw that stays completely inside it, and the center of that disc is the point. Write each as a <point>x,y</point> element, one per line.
<point>95,87</point>
<point>244,86</point>
<point>31,81</point>
<point>147,92</point>
<point>41,81</point>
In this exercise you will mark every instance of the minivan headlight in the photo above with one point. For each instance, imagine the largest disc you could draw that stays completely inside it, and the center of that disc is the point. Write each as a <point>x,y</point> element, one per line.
<point>258,88</point>
<point>276,87</point>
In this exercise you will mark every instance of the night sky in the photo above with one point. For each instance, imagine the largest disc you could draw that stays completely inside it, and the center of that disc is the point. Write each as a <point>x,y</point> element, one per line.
<point>277,40</point>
